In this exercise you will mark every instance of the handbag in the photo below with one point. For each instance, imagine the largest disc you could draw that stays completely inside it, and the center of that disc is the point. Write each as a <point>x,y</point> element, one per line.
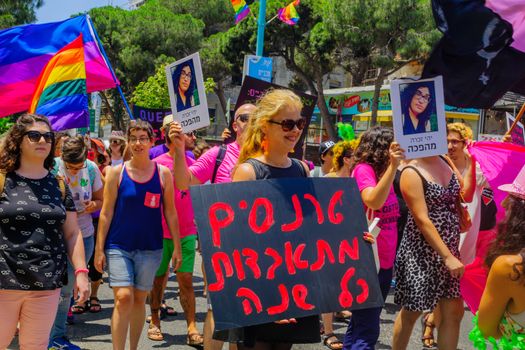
<point>465,222</point>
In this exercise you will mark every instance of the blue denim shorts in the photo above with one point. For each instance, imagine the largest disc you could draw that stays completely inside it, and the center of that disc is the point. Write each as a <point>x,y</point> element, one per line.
<point>132,269</point>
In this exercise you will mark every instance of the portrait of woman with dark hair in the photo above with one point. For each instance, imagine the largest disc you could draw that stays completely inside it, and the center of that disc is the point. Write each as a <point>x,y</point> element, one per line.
<point>184,85</point>
<point>418,107</point>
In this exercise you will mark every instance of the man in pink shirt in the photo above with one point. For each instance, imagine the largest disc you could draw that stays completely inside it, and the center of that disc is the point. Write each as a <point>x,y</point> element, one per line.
<point>188,237</point>
<point>203,171</point>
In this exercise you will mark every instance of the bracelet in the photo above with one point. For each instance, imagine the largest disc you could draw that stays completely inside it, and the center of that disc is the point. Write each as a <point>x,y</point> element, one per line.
<point>80,270</point>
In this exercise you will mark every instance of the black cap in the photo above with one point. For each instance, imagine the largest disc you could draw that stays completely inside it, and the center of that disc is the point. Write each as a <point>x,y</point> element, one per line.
<point>325,146</point>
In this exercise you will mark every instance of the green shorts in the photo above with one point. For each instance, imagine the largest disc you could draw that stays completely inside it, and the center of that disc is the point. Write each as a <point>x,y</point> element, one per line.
<point>188,255</point>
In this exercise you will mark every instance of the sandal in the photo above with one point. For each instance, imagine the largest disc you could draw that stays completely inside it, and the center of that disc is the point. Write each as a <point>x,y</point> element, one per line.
<point>195,340</point>
<point>343,316</point>
<point>154,333</point>
<point>94,305</point>
<point>333,344</point>
<point>167,310</point>
<point>427,339</point>
<point>78,309</point>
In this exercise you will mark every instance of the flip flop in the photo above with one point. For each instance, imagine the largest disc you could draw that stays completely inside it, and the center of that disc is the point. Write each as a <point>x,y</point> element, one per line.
<point>332,345</point>
<point>94,308</point>
<point>195,339</point>
<point>154,333</point>
<point>78,309</point>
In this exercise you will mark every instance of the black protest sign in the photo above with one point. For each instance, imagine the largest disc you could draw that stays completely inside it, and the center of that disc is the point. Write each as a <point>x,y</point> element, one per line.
<point>252,89</point>
<point>154,117</point>
<point>283,248</point>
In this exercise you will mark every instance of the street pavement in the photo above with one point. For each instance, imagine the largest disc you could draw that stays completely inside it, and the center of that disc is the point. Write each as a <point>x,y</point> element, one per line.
<point>92,331</point>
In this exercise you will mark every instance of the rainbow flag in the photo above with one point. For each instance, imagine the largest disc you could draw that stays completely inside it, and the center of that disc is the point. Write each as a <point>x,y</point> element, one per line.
<point>241,10</point>
<point>26,50</point>
<point>289,14</point>
<point>61,92</point>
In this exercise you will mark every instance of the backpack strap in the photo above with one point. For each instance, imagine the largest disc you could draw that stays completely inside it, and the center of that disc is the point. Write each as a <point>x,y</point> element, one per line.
<point>218,161</point>
<point>61,186</point>
<point>2,181</point>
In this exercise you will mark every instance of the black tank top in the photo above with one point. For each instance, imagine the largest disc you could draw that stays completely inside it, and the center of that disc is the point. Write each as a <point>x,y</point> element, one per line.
<point>264,171</point>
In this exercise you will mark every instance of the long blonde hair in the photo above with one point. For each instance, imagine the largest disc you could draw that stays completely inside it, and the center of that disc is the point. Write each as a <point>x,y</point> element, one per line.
<point>268,106</point>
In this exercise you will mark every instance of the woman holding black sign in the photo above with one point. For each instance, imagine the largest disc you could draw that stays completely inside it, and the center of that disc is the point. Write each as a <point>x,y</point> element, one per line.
<point>272,133</point>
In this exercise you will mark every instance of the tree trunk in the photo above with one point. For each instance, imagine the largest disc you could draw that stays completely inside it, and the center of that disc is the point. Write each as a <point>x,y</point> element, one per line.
<point>219,91</point>
<point>325,114</point>
<point>377,91</point>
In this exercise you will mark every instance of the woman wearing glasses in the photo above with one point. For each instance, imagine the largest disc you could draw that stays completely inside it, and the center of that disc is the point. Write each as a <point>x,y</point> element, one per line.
<point>184,85</point>
<point>117,146</point>
<point>271,134</point>
<point>85,183</point>
<point>129,233</point>
<point>38,231</point>
<point>418,108</point>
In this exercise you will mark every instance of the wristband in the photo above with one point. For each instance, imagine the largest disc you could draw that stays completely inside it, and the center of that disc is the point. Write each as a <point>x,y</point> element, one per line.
<point>80,270</point>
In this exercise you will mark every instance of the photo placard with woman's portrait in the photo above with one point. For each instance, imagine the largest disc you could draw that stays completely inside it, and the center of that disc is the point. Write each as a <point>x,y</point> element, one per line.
<point>418,109</point>
<point>187,96</point>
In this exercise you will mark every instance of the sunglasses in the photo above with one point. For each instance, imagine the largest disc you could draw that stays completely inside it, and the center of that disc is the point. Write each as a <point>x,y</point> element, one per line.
<point>243,117</point>
<point>35,136</point>
<point>116,142</point>
<point>289,124</point>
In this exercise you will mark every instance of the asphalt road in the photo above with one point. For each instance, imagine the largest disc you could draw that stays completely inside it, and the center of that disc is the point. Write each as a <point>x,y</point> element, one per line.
<point>92,331</point>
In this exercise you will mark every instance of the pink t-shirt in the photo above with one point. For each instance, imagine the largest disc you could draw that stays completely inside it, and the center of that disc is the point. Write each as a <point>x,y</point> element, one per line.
<point>388,215</point>
<point>182,202</point>
<point>203,167</point>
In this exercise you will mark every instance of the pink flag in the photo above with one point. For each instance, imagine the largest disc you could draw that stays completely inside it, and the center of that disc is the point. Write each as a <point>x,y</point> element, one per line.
<point>500,162</point>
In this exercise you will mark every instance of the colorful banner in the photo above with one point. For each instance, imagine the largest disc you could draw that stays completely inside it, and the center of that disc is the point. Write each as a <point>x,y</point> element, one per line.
<point>25,51</point>
<point>282,248</point>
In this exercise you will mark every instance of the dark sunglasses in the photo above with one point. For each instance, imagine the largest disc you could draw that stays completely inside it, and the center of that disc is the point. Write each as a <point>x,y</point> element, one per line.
<point>35,136</point>
<point>116,142</point>
<point>289,124</point>
<point>243,117</point>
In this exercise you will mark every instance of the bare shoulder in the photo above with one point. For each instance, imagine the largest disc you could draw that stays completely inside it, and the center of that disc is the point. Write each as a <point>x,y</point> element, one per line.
<point>244,172</point>
<point>113,173</point>
<point>504,264</point>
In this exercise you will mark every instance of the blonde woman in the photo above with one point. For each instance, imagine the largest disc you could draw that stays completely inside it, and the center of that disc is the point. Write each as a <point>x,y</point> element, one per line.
<point>272,132</point>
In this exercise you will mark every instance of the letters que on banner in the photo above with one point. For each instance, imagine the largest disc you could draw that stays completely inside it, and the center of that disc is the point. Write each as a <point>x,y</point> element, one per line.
<point>282,248</point>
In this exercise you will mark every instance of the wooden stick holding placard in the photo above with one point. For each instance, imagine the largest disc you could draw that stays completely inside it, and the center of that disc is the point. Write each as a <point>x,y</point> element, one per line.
<point>518,118</point>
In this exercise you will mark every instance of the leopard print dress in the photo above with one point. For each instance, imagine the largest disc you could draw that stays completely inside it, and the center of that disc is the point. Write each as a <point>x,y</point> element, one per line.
<point>421,275</point>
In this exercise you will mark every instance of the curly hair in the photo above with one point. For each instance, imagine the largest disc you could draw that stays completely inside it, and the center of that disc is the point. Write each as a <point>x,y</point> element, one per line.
<point>373,149</point>
<point>462,129</point>
<point>267,107</point>
<point>341,150</point>
<point>510,239</point>
<point>74,150</point>
<point>10,153</point>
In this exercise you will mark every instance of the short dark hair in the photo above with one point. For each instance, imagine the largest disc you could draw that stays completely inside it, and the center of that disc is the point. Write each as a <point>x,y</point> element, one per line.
<point>140,125</point>
<point>74,150</point>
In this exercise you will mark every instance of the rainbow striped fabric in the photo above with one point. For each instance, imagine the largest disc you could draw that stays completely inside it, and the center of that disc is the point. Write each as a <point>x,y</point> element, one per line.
<point>61,92</point>
<point>289,14</point>
<point>25,51</point>
<point>241,10</point>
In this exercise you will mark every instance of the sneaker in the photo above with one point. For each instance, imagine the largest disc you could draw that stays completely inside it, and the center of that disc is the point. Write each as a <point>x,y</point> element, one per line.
<point>62,343</point>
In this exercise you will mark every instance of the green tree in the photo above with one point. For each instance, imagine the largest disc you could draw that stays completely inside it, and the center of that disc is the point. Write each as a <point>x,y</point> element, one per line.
<point>307,48</point>
<point>153,93</point>
<point>217,15</point>
<point>5,124</point>
<point>382,34</point>
<point>16,12</point>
